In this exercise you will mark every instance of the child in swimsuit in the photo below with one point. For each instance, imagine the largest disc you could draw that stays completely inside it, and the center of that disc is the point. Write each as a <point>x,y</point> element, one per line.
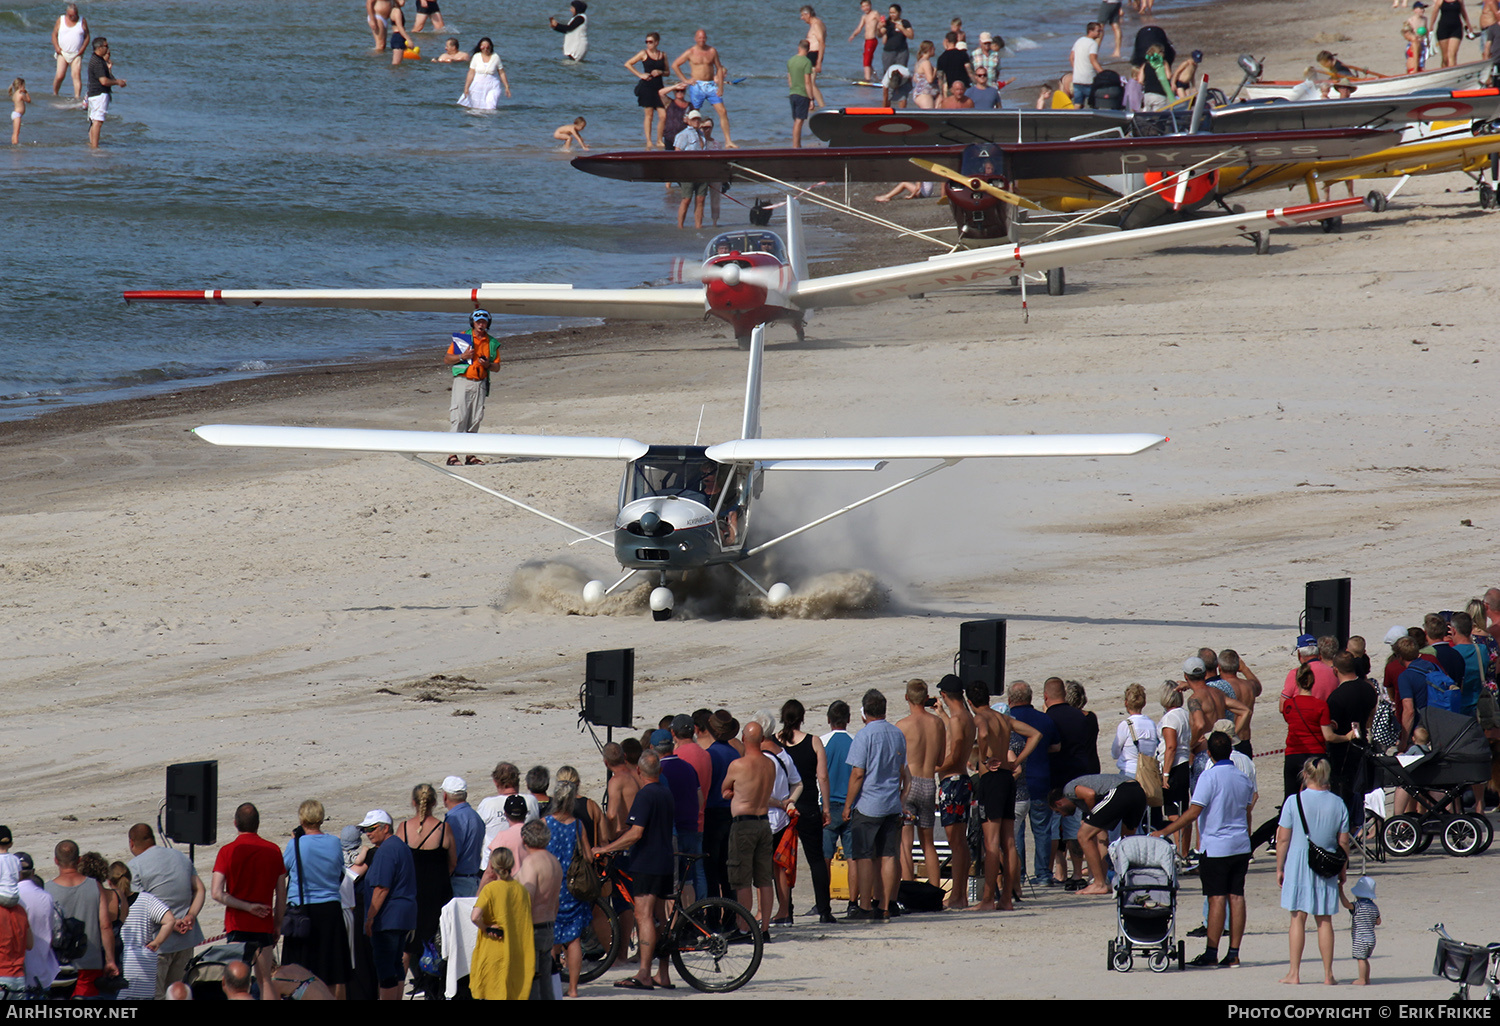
<point>20,97</point>
<point>569,134</point>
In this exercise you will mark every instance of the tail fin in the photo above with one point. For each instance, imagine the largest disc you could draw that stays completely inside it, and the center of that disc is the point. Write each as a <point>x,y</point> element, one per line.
<point>794,250</point>
<point>751,426</point>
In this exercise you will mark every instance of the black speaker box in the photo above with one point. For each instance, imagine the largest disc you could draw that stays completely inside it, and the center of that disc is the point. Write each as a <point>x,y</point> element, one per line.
<point>193,802</point>
<point>1326,610</point>
<point>609,683</point>
<point>981,654</point>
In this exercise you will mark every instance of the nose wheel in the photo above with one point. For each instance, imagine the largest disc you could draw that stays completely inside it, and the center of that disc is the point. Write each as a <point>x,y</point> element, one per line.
<point>662,601</point>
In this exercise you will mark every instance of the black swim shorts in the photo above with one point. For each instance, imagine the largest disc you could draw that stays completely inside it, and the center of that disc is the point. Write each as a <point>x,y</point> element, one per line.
<point>995,793</point>
<point>1124,807</point>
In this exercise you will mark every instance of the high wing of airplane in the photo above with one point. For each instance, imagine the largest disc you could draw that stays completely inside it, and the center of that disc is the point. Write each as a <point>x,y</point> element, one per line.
<point>887,127</point>
<point>1061,158</point>
<point>687,507</point>
<point>751,277</point>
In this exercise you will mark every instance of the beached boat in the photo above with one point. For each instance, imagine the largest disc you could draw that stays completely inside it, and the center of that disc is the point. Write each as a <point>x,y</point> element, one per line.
<point>1460,76</point>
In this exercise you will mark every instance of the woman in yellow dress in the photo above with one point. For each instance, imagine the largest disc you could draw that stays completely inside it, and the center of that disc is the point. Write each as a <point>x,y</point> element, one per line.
<point>504,956</point>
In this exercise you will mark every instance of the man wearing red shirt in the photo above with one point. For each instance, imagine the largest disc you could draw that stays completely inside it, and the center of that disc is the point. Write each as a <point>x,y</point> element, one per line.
<point>249,880</point>
<point>687,749</point>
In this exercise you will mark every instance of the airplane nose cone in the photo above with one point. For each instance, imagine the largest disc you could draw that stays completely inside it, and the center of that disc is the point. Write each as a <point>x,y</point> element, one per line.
<point>731,275</point>
<point>650,522</point>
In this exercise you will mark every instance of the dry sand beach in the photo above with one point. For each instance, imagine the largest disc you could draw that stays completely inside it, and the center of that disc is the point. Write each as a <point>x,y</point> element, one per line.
<point>345,626</point>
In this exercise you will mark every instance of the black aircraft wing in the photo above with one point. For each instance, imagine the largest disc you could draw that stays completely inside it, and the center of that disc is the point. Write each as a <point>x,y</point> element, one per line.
<point>1064,159</point>
<point>882,126</point>
<point>1369,112</point>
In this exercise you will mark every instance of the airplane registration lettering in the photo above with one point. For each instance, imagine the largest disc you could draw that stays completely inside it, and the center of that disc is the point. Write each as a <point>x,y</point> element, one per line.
<point>1305,151</point>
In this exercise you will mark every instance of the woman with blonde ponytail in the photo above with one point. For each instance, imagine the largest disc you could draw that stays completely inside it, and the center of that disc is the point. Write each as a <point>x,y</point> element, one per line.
<point>433,857</point>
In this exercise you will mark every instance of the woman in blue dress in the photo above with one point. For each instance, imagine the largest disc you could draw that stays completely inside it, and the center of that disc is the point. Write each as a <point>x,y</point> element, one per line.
<point>572,914</point>
<point>1304,892</point>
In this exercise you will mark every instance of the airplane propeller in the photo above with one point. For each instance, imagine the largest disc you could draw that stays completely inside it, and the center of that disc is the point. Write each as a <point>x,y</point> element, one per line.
<point>730,274</point>
<point>977,184</point>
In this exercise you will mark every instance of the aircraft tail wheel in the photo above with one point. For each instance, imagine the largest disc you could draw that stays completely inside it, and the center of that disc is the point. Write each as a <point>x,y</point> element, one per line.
<point>1332,224</point>
<point>1057,282</point>
<point>661,603</point>
<point>1262,243</point>
<point>1376,200</point>
<point>593,593</point>
<point>778,593</point>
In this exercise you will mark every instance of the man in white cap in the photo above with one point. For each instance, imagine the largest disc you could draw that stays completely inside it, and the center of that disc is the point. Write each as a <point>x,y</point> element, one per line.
<point>468,837</point>
<point>392,879</point>
<point>691,138</point>
<point>471,356</point>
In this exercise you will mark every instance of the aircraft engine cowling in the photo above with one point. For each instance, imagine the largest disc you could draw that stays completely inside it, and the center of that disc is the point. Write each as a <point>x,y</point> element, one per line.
<point>978,215</point>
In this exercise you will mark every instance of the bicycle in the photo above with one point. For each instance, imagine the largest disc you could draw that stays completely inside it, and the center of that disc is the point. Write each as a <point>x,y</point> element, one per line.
<point>1468,965</point>
<point>715,943</point>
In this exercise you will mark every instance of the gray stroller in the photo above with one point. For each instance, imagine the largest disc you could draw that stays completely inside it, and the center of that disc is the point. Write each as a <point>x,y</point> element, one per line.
<point>1146,903</point>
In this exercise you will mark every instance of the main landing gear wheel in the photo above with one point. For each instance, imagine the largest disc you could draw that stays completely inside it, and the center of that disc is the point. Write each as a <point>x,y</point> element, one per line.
<point>1486,196</point>
<point>1057,282</point>
<point>1331,224</point>
<point>1402,835</point>
<point>1376,201</point>
<point>1262,243</point>
<point>1160,961</point>
<point>1462,836</point>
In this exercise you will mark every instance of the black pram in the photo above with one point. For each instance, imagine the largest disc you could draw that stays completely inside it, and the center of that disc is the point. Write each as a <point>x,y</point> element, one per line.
<point>1459,759</point>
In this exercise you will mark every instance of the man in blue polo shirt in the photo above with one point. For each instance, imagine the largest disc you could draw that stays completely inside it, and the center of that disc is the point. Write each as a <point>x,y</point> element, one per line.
<point>468,837</point>
<point>1221,804</point>
<point>1038,782</point>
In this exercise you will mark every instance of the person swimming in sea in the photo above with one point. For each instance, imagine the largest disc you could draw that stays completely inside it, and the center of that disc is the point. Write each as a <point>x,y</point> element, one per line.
<point>451,53</point>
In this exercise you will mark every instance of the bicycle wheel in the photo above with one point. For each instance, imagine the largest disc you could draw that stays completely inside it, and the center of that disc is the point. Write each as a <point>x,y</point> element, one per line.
<point>601,942</point>
<point>709,956</point>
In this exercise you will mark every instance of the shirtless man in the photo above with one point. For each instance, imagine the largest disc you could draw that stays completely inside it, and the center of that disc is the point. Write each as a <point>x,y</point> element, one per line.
<point>541,874</point>
<point>451,52</point>
<point>70,41</point>
<point>1489,29</point>
<point>995,793</point>
<point>817,43</point>
<point>747,785</point>
<point>956,791</point>
<point>924,749</point>
<point>377,16</point>
<point>869,24</point>
<point>428,9</point>
<point>619,795</point>
<point>1237,674</point>
<point>707,82</point>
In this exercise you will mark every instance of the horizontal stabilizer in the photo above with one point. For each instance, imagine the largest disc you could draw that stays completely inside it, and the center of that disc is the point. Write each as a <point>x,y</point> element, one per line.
<point>366,440</point>
<point>939,447</point>
<point>517,300</point>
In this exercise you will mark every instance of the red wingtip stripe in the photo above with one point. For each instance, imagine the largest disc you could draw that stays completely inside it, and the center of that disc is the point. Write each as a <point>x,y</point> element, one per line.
<point>169,296</point>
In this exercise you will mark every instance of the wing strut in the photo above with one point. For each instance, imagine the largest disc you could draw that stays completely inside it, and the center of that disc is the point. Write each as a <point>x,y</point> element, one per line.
<point>1222,159</point>
<point>842,208</point>
<point>849,508</point>
<point>506,498</point>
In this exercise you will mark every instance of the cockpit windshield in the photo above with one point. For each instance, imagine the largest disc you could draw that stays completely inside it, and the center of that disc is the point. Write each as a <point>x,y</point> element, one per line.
<point>693,478</point>
<point>746,242</point>
<point>983,160</point>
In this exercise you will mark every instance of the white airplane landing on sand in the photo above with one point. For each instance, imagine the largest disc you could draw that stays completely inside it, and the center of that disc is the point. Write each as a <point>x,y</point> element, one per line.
<point>685,507</point>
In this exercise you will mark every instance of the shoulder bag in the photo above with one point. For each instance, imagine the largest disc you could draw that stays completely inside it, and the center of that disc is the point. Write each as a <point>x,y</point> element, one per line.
<point>296,924</point>
<point>1147,770</point>
<point>1320,860</point>
<point>583,878</point>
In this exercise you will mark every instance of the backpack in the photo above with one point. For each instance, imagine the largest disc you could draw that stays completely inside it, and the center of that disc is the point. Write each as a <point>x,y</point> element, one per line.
<point>1442,692</point>
<point>72,940</point>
